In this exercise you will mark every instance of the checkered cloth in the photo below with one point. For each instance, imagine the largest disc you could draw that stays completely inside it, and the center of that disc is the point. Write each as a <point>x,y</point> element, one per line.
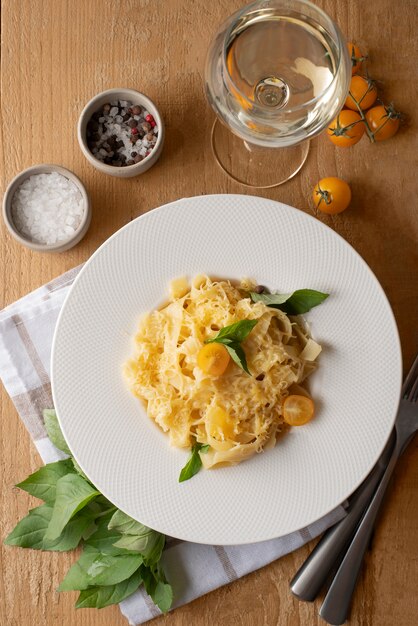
<point>26,331</point>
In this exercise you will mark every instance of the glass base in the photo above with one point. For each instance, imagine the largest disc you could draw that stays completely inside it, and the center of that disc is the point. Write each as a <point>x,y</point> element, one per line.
<point>255,166</point>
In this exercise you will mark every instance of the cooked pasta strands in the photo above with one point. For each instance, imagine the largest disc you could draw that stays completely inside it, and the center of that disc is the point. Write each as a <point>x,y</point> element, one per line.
<point>235,414</point>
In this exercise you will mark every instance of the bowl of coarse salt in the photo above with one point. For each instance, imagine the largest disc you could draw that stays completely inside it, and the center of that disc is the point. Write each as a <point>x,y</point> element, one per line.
<point>46,208</point>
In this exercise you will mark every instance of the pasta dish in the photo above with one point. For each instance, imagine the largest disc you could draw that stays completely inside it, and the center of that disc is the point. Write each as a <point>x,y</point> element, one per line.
<point>188,368</point>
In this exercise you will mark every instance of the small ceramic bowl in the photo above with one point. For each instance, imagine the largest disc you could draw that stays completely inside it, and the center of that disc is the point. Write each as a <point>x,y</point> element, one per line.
<point>40,247</point>
<point>136,98</point>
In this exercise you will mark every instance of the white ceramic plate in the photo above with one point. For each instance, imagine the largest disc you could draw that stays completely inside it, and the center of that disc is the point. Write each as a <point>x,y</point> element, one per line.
<point>356,389</point>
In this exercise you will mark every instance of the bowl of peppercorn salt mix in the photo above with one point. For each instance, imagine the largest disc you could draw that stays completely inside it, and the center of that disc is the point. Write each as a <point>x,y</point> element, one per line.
<point>121,132</point>
<point>46,208</point>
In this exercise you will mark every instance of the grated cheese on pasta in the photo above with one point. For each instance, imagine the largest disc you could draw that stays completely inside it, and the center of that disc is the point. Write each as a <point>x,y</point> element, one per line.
<point>236,414</point>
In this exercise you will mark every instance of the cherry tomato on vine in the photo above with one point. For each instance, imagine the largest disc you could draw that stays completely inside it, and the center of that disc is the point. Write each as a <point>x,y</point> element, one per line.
<point>347,129</point>
<point>356,58</point>
<point>362,92</point>
<point>331,195</point>
<point>383,122</point>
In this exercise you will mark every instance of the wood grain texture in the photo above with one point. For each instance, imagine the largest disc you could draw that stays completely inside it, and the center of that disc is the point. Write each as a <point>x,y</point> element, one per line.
<point>56,54</point>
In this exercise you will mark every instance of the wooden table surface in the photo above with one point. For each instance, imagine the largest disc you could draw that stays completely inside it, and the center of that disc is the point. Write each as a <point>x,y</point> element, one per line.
<point>56,54</point>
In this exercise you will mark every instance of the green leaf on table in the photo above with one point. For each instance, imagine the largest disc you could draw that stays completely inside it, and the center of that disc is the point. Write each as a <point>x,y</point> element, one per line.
<point>134,536</point>
<point>76,577</point>
<point>101,596</point>
<point>163,596</point>
<point>150,545</point>
<point>42,483</point>
<point>194,463</point>
<point>296,303</point>
<point>96,569</point>
<point>103,539</point>
<point>30,531</point>
<point>126,525</point>
<point>71,535</point>
<point>54,432</point>
<point>235,333</point>
<point>157,587</point>
<point>72,494</point>
<point>107,569</point>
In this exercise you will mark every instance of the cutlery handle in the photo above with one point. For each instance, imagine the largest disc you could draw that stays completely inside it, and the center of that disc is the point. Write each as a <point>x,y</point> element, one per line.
<point>335,607</point>
<point>311,577</point>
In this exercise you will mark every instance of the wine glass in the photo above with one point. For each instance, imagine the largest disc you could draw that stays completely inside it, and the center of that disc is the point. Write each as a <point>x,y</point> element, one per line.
<point>277,73</point>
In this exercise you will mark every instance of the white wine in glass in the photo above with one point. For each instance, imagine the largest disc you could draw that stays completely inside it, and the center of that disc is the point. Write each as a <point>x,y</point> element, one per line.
<point>277,73</point>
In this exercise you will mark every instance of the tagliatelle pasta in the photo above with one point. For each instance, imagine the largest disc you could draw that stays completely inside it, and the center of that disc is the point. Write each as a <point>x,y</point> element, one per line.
<point>236,414</point>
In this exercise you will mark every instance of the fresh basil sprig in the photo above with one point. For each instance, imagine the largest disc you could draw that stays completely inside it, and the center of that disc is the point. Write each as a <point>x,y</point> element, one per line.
<point>119,553</point>
<point>296,303</point>
<point>231,337</point>
<point>194,464</point>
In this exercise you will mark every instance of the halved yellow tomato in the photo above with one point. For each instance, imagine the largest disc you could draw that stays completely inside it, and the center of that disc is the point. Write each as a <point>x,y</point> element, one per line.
<point>298,410</point>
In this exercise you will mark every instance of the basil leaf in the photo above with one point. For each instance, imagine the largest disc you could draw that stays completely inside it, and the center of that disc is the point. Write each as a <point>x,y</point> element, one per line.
<point>153,552</point>
<point>270,299</point>
<point>99,597</point>
<point>157,587</point>
<point>30,531</point>
<point>76,577</point>
<point>234,333</point>
<point>193,465</point>
<point>296,303</point>
<point>150,545</point>
<point>136,537</point>
<point>163,596</point>
<point>72,534</point>
<point>205,448</point>
<point>103,539</point>
<point>42,483</point>
<point>237,354</point>
<point>54,431</point>
<point>72,494</point>
<point>111,570</point>
<point>126,525</point>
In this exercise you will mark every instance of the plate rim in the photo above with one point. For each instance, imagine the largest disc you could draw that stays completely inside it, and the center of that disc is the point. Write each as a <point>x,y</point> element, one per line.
<point>304,215</point>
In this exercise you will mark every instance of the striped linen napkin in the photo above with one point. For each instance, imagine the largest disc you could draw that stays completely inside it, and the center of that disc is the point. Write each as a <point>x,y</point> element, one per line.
<point>26,331</point>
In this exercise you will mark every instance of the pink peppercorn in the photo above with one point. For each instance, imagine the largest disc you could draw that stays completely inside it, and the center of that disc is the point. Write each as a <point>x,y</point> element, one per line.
<point>149,118</point>
<point>134,131</point>
<point>153,124</point>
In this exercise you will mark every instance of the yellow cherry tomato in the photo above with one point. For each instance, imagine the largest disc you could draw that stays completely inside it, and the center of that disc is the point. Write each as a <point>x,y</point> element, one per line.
<point>356,57</point>
<point>347,129</point>
<point>362,92</point>
<point>383,122</point>
<point>298,410</point>
<point>331,195</point>
<point>213,359</point>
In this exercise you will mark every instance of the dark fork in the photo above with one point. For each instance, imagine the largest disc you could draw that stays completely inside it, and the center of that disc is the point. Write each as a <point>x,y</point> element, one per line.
<point>312,575</point>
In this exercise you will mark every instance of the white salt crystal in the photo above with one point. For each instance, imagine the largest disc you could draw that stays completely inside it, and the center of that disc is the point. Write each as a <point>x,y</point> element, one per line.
<point>43,203</point>
<point>114,111</point>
